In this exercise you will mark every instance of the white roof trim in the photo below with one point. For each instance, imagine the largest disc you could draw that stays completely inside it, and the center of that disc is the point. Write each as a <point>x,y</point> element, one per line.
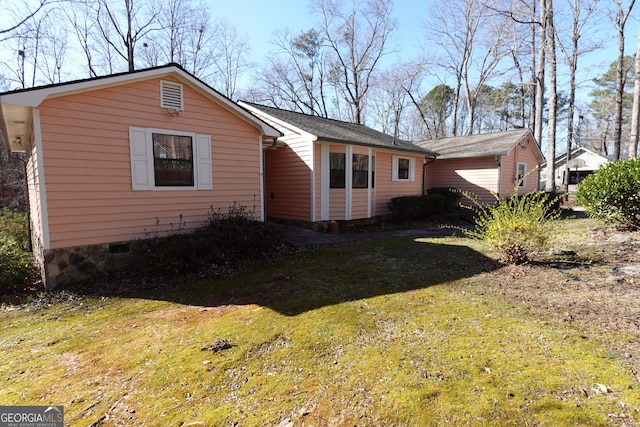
<point>284,123</point>
<point>34,97</point>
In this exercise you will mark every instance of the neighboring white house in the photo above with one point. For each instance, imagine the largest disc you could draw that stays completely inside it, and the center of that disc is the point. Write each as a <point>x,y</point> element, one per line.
<point>581,164</point>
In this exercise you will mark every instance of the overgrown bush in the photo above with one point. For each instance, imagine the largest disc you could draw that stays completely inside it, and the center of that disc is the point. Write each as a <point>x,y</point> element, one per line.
<point>16,269</point>
<point>15,226</point>
<point>612,193</point>
<point>517,227</point>
<point>226,241</point>
<point>408,208</point>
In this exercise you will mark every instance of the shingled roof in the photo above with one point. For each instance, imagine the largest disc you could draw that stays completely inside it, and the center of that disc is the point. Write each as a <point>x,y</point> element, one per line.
<point>483,145</point>
<point>338,131</point>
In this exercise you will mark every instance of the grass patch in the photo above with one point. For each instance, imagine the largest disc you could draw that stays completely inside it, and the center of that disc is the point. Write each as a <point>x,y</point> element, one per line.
<point>392,332</point>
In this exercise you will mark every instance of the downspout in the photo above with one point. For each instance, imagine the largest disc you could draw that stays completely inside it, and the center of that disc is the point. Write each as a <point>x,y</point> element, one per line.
<point>499,161</point>
<point>424,173</point>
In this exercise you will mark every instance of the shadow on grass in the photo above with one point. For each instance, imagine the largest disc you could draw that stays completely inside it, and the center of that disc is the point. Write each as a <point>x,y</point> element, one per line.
<point>334,274</point>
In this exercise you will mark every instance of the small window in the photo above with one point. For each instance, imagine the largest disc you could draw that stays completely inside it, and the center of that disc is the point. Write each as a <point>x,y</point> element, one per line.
<point>521,173</point>
<point>360,170</point>
<point>336,170</point>
<point>171,95</point>
<point>403,169</point>
<point>173,160</point>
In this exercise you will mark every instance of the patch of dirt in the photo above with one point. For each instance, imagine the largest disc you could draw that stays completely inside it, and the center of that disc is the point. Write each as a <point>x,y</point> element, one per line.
<point>579,293</point>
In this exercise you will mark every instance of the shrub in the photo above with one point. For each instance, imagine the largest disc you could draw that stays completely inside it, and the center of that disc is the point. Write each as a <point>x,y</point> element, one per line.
<point>16,269</point>
<point>407,208</point>
<point>517,227</point>
<point>612,193</point>
<point>226,241</point>
<point>452,195</point>
<point>14,225</point>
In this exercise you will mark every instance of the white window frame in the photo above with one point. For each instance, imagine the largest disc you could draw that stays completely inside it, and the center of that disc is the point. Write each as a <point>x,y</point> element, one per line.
<point>395,172</point>
<point>523,166</point>
<point>142,162</point>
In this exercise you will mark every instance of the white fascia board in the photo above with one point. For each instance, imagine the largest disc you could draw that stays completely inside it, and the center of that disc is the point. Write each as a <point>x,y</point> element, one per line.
<point>260,113</point>
<point>34,97</point>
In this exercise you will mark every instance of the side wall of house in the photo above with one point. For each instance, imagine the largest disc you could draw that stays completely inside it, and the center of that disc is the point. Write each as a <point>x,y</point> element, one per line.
<point>288,171</point>
<point>86,159</point>
<point>519,154</point>
<point>478,176</point>
<point>386,188</point>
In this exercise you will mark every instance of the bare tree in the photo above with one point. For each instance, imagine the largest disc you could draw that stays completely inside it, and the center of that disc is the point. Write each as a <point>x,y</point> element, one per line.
<point>553,96</point>
<point>15,15</point>
<point>83,27</point>
<point>232,58</point>
<point>635,115</point>
<point>357,34</point>
<point>540,81</point>
<point>581,12</point>
<point>130,22</point>
<point>393,94</point>
<point>40,48</point>
<point>297,73</point>
<point>619,21</point>
<point>53,49</point>
<point>475,41</point>
<point>186,36</point>
<point>534,15</point>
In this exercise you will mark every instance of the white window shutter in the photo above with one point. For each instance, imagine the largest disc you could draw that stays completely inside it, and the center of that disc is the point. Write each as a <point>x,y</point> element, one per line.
<point>412,169</point>
<point>394,168</point>
<point>140,159</point>
<point>203,153</point>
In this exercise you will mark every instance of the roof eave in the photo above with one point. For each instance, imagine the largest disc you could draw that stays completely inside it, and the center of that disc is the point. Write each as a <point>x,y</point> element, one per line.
<point>33,97</point>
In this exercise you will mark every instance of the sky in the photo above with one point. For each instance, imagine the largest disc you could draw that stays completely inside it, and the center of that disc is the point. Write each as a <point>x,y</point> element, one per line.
<point>258,19</point>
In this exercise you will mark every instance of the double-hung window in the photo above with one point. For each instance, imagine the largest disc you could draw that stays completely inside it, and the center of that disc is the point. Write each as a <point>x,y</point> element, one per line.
<point>173,160</point>
<point>403,168</point>
<point>337,170</point>
<point>360,171</point>
<point>169,159</point>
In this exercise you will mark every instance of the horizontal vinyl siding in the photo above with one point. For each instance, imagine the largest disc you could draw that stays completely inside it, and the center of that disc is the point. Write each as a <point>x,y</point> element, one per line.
<point>288,178</point>
<point>337,196</point>
<point>360,196</point>
<point>88,170</point>
<point>519,155</point>
<point>386,189</point>
<point>478,176</point>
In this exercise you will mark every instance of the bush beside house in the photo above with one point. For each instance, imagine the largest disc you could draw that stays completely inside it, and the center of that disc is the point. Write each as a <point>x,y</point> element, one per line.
<point>612,193</point>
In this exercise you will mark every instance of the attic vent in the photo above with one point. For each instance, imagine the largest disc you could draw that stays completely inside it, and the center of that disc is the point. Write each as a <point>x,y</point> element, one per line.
<point>171,95</point>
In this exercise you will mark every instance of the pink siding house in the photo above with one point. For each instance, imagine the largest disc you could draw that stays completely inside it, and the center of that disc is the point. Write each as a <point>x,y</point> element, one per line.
<point>486,164</point>
<point>120,157</point>
<point>325,170</point>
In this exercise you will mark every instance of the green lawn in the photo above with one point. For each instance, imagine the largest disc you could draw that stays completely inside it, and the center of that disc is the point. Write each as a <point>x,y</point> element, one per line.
<point>404,332</point>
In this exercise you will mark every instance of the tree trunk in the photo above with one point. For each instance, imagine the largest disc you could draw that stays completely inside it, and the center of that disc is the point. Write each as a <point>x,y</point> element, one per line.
<point>620,21</point>
<point>553,97</point>
<point>537,132</point>
<point>573,65</point>
<point>635,115</point>
<point>617,127</point>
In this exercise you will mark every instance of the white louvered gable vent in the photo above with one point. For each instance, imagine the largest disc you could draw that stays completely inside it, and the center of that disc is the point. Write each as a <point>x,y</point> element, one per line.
<point>171,95</point>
